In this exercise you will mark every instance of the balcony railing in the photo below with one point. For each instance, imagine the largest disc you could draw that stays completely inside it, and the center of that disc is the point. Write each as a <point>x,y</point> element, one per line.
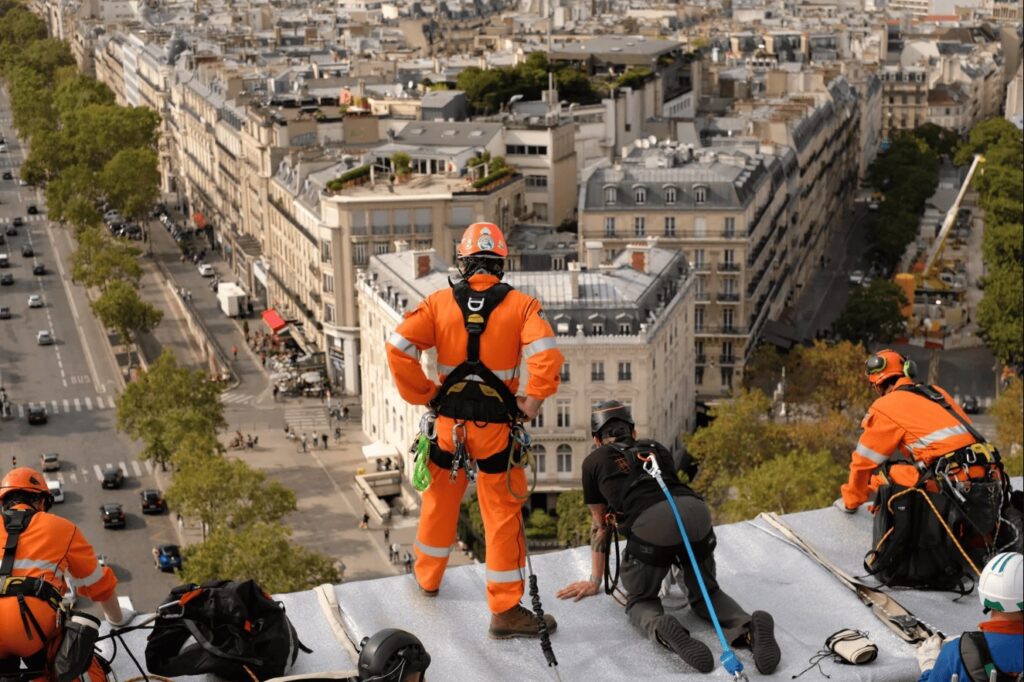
<point>728,298</point>
<point>727,359</point>
<point>728,267</point>
<point>701,266</point>
<point>701,359</point>
<point>721,330</point>
<point>702,297</point>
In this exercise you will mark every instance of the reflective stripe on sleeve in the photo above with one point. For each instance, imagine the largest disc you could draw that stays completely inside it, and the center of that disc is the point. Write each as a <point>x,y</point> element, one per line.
<point>436,552</point>
<point>503,374</point>
<point>936,436</point>
<point>90,579</point>
<point>865,451</point>
<point>539,346</point>
<point>513,576</point>
<point>404,345</point>
<point>30,564</point>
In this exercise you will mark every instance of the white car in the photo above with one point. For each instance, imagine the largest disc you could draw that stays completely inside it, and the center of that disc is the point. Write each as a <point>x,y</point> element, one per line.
<point>56,491</point>
<point>35,301</point>
<point>3,147</point>
<point>44,338</point>
<point>22,182</point>
<point>857,277</point>
<point>206,270</point>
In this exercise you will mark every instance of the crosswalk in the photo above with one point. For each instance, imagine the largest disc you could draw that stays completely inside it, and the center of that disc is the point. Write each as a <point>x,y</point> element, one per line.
<point>307,418</point>
<point>233,398</point>
<point>28,218</point>
<point>69,405</point>
<point>72,475</point>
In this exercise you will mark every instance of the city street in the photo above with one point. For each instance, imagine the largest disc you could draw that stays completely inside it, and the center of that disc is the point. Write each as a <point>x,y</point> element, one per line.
<point>77,382</point>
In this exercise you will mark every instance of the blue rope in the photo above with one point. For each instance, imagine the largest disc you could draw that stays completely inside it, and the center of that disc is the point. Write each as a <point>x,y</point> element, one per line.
<point>728,658</point>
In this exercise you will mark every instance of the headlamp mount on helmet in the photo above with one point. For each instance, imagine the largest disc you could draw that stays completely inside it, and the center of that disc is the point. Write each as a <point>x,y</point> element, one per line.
<point>390,655</point>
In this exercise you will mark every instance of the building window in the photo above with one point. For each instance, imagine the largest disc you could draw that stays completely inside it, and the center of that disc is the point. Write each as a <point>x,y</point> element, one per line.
<point>597,370</point>
<point>727,355</point>
<point>526,150</point>
<point>698,375</point>
<point>325,251</point>
<point>596,328</point>
<point>670,226</point>
<point>563,409</point>
<point>359,253</point>
<point>698,259</point>
<point>609,226</point>
<point>380,248</point>
<point>611,195</point>
<point>730,227</point>
<point>670,195</point>
<point>700,194</point>
<point>698,319</point>
<point>727,320</point>
<point>565,373</point>
<point>564,455</point>
<point>625,328</point>
<point>540,456</point>
<point>639,226</point>
<point>541,211</point>
<point>700,227</point>
<point>625,371</point>
<point>328,284</point>
<point>328,312</point>
<point>730,258</point>
<point>538,421</point>
<point>537,181</point>
<point>640,195</point>
<point>727,377</point>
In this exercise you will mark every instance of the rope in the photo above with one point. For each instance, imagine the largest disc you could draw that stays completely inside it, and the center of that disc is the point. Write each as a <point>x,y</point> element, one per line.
<point>538,609</point>
<point>949,531</point>
<point>421,472</point>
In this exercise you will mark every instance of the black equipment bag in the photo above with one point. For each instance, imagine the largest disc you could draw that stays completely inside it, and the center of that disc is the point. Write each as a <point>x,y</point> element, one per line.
<point>71,653</point>
<point>977,660</point>
<point>239,633</point>
<point>641,490</point>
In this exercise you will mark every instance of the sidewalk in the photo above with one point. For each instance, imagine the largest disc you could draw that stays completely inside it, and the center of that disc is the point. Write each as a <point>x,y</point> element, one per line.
<point>172,332</point>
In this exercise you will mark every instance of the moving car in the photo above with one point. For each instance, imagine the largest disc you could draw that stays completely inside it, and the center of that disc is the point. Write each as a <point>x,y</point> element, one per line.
<point>8,175</point>
<point>37,414</point>
<point>26,250</point>
<point>44,338</point>
<point>113,477</point>
<point>6,279</point>
<point>5,312</point>
<point>49,461</point>
<point>18,221</point>
<point>35,301</point>
<point>152,502</point>
<point>206,270</point>
<point>971,404</point>
<point>5,260</point>
<point>12,230</point>
<point>113,515</point>
<point>167,557</point>
<point>38,269</point>
<point>857,277</point>
<point>33,209</point>
<point>56,491</point>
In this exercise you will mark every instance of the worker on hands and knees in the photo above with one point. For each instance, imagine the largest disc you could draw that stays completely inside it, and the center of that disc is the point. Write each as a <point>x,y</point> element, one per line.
<point>482,329</point>
<point>42,554</point>
<point>996,651</point>
<point>617,490</point>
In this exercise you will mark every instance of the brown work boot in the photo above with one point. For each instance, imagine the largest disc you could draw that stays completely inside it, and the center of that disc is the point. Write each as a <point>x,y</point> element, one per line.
<point>423,590</point>
<point>518,621</point>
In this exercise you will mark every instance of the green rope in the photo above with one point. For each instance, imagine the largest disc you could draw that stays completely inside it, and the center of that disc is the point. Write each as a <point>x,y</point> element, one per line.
<point>421,472</point>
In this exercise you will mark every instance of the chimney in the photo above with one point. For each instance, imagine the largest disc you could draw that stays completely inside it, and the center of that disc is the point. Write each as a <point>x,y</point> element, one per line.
<point>640,256</point>
<point>594,253</point>
<point>422,265</point>
<point>401,245</point>
<point>574,278</point>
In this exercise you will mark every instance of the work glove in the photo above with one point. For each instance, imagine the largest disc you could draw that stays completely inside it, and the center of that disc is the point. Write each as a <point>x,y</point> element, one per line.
<point>841,506</point>
<point>928,652</point>
<point>126,618</point>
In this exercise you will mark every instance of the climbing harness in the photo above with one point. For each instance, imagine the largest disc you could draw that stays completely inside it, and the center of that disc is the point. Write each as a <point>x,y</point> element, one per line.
<point>728,658</point>
<point>538,609</point>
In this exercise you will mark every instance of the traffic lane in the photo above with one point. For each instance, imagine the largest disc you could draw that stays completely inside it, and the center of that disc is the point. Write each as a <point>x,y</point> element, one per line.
<point>969,371</point>
<point>28,368</point>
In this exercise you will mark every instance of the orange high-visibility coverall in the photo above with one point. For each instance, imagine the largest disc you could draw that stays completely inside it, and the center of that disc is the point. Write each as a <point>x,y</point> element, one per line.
<point>52,549</point>
<point>515,330</point>
<point>910,424</point>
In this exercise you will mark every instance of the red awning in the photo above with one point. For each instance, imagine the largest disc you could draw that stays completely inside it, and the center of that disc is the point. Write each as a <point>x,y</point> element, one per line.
<point>274,320</point>
<point>199,219</point>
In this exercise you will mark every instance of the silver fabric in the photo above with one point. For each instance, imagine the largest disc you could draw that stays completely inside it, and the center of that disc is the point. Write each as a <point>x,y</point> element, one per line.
<point>935,436</point>
<point>404,345</point>
<point>876,457</point>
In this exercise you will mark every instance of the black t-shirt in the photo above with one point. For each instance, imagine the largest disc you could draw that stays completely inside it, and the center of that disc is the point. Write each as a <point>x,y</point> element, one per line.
<point>606,475</point>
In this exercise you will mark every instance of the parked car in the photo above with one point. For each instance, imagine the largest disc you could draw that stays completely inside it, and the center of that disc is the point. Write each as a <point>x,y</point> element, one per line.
<point>3,239</point>
<point>49,461</point>
<point>56,491</point>
<point>152,502</point>
<point>17,221</point>
<point>113,515</point>
<point>35,301</point>
<point>37,414</point>
<point>12,230</point>
<point>971,404</point>
<point>26,250</point>
<point>5,312</point>
<point>6,279</point>
<point>8,175</point>
<point>857,277</point>
<point>33,209</point>
<point>44,338</point>
<point>113,477</point>
<point>167,557</point>
<point>38,269</point>
<point>206,270</point>
<point>5,260</point>
<point>111,215</point>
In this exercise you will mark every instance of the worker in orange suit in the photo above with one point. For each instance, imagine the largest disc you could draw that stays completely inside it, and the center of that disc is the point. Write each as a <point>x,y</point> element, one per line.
<point>907,419</point>
<point>482,329</point>
<point>42,554</point>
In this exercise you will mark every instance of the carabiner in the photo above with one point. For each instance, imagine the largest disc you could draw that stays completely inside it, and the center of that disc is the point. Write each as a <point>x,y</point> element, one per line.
<point>428,425</point>
<point>651,467</point>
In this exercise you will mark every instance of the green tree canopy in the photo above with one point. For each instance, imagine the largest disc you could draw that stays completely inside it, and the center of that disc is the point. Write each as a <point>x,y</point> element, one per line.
<point>986,135</point>
<point>574,519</point>
<point>788,483</point>
<point>131,181</point>
<point>829,377</point>
<point>120,308</point>
<point>1001,311</point>
<point>872,315</point>
<point>261,552</point>
<point>100,260</point>
<point>1008,412</point>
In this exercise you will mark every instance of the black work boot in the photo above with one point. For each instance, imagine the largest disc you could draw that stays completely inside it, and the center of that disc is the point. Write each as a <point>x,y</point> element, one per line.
<point>762,642</point>
<point>674,637</point>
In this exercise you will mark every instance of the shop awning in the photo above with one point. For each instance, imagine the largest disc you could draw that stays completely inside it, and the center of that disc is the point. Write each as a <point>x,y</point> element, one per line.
<point>273,320</point>
<point>199,219</point>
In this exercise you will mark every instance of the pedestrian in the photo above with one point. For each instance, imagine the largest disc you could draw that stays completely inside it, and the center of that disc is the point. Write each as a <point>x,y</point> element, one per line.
<point>276,391</point>
<point>14,461</point>
<point>234,352</point>
<point>391,554</point>
<point>344,413</point>
<point>263,359</point>
<point>364,523</point>
<point>316,440</point>
<point>396,552</point>
<point>324,437</point>
<point>304,443</point>
<point>408,562</point>
<point>337,434</point>
<point>387,535</point>
<point>514,329</point>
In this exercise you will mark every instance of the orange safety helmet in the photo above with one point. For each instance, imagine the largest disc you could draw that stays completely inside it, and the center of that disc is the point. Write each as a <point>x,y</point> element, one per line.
<point>23,478</point>
<point>886,364</point>
<point>483,239</point>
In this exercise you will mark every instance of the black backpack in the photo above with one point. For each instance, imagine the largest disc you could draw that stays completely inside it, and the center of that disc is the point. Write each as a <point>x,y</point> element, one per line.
<point>977,661</point>
<point>636,493</point>
<point>240,633</point>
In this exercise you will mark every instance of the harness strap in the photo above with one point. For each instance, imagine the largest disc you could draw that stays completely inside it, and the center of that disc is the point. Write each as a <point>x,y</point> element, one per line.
<point>15,523</point>
<point>935,396</point>
<point>977,659</point>
<point>497,463</point>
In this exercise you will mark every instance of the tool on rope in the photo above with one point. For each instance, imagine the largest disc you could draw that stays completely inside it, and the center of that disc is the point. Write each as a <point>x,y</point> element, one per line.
<point>460,458</point>
<point>538,609</point>
<point>728,658</point>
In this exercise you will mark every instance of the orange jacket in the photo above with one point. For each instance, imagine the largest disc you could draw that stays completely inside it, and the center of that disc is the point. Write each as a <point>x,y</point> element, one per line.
<point>515,331</point>
<point>906,423</point>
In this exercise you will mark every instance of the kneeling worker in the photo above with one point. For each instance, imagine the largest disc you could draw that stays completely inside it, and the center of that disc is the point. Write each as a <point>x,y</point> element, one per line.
<point>40,552</point>
<point>613,481</point>
<point>999,646</point>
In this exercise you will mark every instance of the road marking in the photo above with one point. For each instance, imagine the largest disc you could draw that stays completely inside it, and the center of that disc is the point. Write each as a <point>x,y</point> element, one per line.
<point>99,403</point>
<point>67,406</point>
<point>21,410</point>
<point>88,403</point>
<point>123,467</point>
<point>78,405</point>
<point>99,474</point>
<point>74,478</point>
<point>55,410</point>
<point>149,467</point>
<point>137,468</point>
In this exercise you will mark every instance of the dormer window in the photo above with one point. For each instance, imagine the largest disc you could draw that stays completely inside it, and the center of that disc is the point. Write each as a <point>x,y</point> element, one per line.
<point>611,195</point>
<point>640,195</point>
<point>700,194</point>
<point>670,195</point>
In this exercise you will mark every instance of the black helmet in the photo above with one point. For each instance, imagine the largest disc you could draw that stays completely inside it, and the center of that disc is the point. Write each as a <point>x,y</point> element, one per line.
<point>390,655</point>
<point>607,411</point>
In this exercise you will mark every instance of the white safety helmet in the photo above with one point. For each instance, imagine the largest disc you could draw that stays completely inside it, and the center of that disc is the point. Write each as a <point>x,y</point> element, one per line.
<point>1001,587</point>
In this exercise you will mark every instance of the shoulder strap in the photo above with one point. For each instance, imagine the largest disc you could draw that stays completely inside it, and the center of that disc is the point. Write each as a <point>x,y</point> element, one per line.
<point>15,523</point>
<point>476,307</point>
<point>935,396</point>
<point>976,657</point>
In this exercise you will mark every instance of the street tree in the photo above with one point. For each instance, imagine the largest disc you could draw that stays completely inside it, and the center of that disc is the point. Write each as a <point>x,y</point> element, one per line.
<point>47,56</point>
<point>763,370</point>
<point>833,432</point>
<point>573,527</point>
<point>1008,412</point>
<point>1001,311</point>
<point>96,133</point>
<point>100,260</point>
<point>990,133</point>
<point>829,377</point>
<point>120,308</point>
<point>131,181</point>
<point>261,552</point>
<point>873,315</point>
<point>70,193</point>
<point>80,92</point>
<point>792,482</point>
<point>1003,244</point>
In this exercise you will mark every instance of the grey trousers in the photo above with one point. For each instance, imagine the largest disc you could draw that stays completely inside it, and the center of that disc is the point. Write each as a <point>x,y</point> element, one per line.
<point>642,582</point>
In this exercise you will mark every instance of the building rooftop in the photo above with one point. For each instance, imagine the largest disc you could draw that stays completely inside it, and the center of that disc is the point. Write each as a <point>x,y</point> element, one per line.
<point>448,133</point>
<point>610,47</point>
